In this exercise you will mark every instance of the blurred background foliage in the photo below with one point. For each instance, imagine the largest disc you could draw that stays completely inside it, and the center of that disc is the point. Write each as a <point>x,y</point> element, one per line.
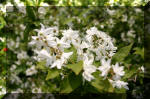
<point>80,2</point>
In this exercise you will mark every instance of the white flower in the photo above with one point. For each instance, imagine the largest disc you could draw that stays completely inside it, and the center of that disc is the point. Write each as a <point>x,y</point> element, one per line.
<point>118,71</point>
<point>2,90</point>
<point>44,55</point>
<point>100,43</point>
<point>44,38</point>
<point>41,10</point>
<point>61,44</point>
<point>119,84</point>
<point>9,7</point>
<point>142,68</point>
<point>80,49</point>
<point>44,4</point>
<point>22,55</point>
<point>44,31</point>
<point>87,76</point>
<point>36,42</point>
<point>111,2</point>
<point>88,68</point>
<point>70,36</point>
<point>50,41</point>
<point>84,45</point>
<point>105,67</point>
<point>36,90</point>
<point>60,62</point>
<point>3,8</point>
<point>2,39</point>
<point>92,31</point>
<point>31,71</point>
<point>22,8</point>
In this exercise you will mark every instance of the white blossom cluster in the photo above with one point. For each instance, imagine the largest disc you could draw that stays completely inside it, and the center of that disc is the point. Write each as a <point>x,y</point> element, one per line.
<point>116,72</point>
<point>94,46</point>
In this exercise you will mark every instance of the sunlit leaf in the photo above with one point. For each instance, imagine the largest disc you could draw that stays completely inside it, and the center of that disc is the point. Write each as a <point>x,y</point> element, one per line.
<point>52,73</point>
<point>122,53</point>
<point>76,67</point>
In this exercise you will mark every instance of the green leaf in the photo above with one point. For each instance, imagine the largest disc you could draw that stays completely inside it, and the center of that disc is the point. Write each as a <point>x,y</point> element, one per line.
<point>41,65</point>
<point>28,29</point>
<point>1,96</point>
<point>100,84</point>
<point>122,90</point>
<point>70,83</point>
<point>122,53</point>
<point>31,3</point>
<point>52,73</point>
<point>66,87</point>
<point>39,2</point>
<point>2,22</point>
<point>73,57</point>
<point>139,51</point>
<point>97,63</point>
<point>31,12</point>
<point>34,2</point>
<point>129,73</point>
<point>76,68</point>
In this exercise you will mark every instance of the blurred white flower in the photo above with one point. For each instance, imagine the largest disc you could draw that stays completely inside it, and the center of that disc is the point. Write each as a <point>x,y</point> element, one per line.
<point>31,71</point>
<point>2,39</point>
<point>44,4</point>
<point>9,7</point>
<point>2,90</point>
<point>19,90</point>
<point>22,55</point>
<point>142,69</point>
<point>42,10</point>
<point>2,8</point>
<point>119,84</point>
<point>36,90</point>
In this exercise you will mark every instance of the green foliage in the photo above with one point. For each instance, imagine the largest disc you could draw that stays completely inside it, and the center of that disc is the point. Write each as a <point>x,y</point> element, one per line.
<point>41,65</point>
<point>76,68</point>
<point>52,73</point>
<point>132,70</point>
<point>139,51</point>
<point>31,12</point>
<point>122,53</point>
<point>34,2</point>
<point>70,83</point>
<point>2,22</point>
<point>101,84</point>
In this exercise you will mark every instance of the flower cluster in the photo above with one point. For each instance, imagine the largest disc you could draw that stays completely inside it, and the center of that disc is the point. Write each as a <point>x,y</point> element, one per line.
<point>115,71</point>
<point>50,45</point>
